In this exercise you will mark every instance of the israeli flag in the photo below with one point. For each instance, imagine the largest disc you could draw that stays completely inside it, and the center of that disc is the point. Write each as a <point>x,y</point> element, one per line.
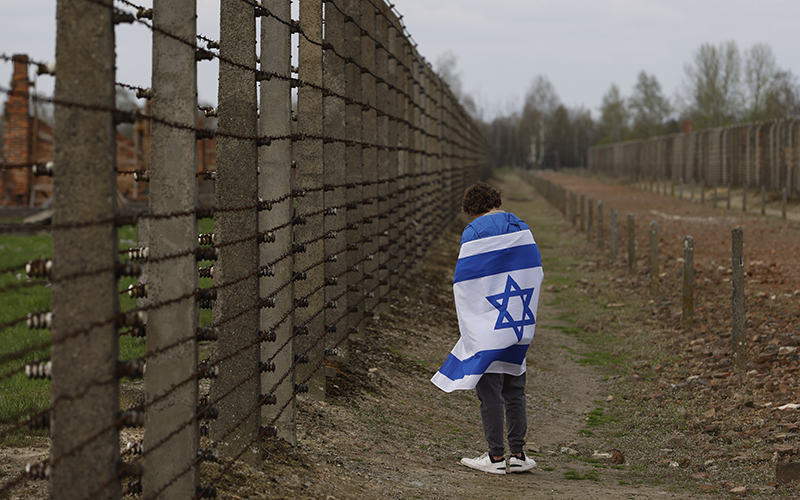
<point>496,287</point>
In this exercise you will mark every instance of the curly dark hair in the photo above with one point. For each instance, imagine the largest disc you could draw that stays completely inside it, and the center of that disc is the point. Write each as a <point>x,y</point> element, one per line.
<point>480,198</point>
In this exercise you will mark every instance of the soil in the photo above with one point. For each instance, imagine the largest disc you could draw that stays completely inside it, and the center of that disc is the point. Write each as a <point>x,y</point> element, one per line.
<point>610,370</point>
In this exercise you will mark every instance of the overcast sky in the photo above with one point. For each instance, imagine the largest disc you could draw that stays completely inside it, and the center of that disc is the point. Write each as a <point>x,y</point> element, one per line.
<point>583,46</point>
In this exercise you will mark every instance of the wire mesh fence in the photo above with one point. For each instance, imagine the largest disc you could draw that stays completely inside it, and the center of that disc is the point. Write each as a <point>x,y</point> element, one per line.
<point>739,157</point>
<point>335,169</point>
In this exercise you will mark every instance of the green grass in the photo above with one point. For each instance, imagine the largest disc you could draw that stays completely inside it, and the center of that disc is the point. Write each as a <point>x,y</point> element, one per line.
<point>567,318</point>
<point>18,395</point>
<point>598,358</point>
<point>556,279</point>
<point>574,475</point>
<point>597,418</point>
<point>568,349</point>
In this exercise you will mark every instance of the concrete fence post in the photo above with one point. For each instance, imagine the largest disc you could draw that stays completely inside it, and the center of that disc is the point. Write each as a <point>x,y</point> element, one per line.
<point>369,134</point>
<point>612,238</point>
<point>236,308</point>
<point>654,259</point>
<point>308,297</point>
<point>274,182</point>
<point>728,196</point>
<point>744,198</point>
<point>334,160</point>
<point>397,135</point>
<point>703,191</point>
<point>631,245</point>
<point>688,280</point>
<point>418,161</point>
<point>715,195</point>
<point>785,195</point>
<point>401,247</point>
<point>388,250</point>
<point>432,161</point>
<point>600,231</point>
<point>590,219</point>
<point>173,188</point>
<point>84,189</point>
<point>426,226</point>
<point>573,209</point>
<point>738,347</point>
<point>437,150</point>
<point>583,213</point>
<point>353,166</point>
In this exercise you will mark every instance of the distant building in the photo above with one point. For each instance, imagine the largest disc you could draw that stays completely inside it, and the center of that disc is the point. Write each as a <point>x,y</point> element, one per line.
<point>28,140</point>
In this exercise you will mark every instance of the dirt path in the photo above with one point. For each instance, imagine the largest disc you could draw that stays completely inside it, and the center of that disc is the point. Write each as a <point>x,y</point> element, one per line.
<point>390,433</point>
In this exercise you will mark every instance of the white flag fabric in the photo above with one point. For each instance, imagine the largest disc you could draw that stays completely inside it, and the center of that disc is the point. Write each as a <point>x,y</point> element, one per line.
<point>496,287</point>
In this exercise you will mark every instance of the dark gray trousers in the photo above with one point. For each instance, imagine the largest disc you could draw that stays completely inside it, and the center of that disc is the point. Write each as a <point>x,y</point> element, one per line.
<point>500,393</point>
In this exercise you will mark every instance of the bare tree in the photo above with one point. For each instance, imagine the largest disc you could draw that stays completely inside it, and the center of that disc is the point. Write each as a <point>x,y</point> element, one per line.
<point>446,66</point>
<point>503,136</point>
<point>541,102</point>
<point>613,115</point>
<point>712,89</point>
<point>759,75</point>
<point>648,107</point>
<point>783,98</point>
<point>584,134</point>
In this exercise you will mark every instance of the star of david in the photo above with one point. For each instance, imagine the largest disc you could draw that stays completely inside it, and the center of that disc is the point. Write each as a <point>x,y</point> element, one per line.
<point>504,318</point>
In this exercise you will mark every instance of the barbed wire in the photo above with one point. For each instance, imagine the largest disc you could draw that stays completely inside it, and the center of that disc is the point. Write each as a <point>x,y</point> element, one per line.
<point>431,128</point>
<point>297,81</point>
<point>189,422</point>
<point>252,410</point>
<point>328,46</point>
<point>294,393</point>
<point>19,166</point>
<point>271,390</point>
<point>28,350</point>
<point>201,132</point>
<point>88,440</point>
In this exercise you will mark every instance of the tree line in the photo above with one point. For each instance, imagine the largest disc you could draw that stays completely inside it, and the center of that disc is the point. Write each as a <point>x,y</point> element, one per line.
<point>722,85</point>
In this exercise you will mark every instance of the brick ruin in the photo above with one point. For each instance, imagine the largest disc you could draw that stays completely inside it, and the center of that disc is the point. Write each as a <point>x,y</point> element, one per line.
<point>27,139</point>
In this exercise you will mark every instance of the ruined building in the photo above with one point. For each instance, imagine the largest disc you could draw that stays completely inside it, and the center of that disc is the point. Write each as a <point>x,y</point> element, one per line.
<point>28,140</point>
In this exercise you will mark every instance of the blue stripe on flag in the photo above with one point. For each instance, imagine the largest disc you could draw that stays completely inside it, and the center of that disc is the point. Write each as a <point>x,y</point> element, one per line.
<point>456,369</point>
<point>496,262</point>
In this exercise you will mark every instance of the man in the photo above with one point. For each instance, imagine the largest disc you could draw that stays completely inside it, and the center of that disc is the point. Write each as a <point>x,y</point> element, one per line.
<point>496,286</point>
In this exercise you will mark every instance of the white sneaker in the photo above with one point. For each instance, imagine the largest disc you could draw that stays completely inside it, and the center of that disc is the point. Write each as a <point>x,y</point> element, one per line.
<point>486,464</point>
<point>520,464</point>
